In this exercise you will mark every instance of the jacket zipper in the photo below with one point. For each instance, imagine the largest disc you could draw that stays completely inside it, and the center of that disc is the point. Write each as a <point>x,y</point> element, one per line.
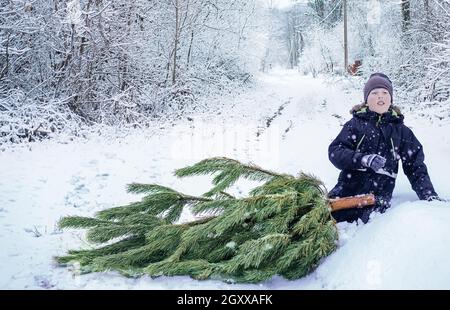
<point>393,150</point>
<point>360,141</point>
<point>379,119</point>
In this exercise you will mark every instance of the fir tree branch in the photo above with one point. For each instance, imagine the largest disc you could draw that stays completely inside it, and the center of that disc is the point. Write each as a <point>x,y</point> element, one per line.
<point>198,269</point>
<point>139,188</point>
<point>213,206</point>
<point>218,164</point>
<point>168,205</point>
<point>80,222</point>
<point>101,234</point>
<point>284,227</point>
<point>85,257</point>
<point>229,171</point>
<point>224,195</point>
<point>255,252</point>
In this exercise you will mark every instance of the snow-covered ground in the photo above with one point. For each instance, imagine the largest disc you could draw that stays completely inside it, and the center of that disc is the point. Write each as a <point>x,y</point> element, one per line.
<point>286,124</point>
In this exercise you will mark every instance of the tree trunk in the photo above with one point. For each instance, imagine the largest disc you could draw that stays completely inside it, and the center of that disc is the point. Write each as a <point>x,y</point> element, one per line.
<point>426,6</point>
<point>352,202</point>
<point>177,26</point>
<point>406,15</point>
<point>319,8</point>
<point>5,70</point>
<point>190,50</point>
<point>124,59</point>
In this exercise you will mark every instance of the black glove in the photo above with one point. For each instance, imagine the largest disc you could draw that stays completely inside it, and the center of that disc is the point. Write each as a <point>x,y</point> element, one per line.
<point>434,198</point>
<point>373,161</point>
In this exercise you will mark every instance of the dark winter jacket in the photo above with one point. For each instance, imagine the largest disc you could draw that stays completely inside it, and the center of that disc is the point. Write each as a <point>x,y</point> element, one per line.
<point>371,133</point>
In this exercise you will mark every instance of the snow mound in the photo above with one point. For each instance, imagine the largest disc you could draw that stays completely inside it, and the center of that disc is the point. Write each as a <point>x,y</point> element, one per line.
<point>408,247</point>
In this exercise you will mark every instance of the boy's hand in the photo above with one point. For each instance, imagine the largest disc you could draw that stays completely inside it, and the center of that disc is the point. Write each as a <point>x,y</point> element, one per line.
<point>373,161</point>
<point>435,198</point>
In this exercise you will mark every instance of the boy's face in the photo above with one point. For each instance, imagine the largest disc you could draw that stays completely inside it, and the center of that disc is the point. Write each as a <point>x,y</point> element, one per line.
<point>379,100</point>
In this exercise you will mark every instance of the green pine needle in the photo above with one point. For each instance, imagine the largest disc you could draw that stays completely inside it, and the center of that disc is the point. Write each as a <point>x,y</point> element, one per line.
<point>228,170</point>
<point>139,188</point>
<point>80,222</point>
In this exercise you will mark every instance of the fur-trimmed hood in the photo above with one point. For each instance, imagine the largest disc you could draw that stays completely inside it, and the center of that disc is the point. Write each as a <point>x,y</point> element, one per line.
<point>393,115</point>
<point>360,106</point>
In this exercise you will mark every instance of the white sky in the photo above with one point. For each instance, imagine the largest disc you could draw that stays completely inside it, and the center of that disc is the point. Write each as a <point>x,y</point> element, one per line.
<point>285,3</point>
<point>282,3</point>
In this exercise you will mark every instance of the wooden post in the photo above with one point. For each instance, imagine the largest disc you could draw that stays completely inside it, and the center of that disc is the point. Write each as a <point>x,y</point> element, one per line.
<point>345,38</point>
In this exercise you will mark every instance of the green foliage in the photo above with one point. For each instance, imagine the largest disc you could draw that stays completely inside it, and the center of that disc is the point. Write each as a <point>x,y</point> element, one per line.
<point>283,227</point>
<point>228,172</point>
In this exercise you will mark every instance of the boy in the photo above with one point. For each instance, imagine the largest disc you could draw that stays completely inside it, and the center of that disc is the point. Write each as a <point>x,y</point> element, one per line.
<point>368,149</point>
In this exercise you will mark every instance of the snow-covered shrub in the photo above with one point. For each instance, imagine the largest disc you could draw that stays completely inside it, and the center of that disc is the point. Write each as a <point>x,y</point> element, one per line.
<point>118,62</point>
<point>23,119</point>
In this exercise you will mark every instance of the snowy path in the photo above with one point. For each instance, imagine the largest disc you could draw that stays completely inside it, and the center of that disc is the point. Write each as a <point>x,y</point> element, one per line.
<point>285,124</point>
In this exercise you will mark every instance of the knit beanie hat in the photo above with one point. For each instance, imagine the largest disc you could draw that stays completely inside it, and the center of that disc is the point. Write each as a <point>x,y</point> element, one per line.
<point>378,80</point>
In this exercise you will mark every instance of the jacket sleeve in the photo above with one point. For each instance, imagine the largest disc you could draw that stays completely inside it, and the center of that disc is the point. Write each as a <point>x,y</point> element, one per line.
<point>411,152</point>
<point>342,151</point>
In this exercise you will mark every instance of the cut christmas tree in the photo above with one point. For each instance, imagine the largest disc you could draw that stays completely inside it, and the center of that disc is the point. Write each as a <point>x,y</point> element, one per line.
<point>284,227</point>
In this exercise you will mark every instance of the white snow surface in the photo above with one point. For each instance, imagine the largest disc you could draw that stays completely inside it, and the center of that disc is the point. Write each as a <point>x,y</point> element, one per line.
<point>408,247</point>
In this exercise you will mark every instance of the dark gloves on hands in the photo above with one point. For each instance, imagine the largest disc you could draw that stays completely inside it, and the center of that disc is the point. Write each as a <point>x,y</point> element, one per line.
<point>434,198</point>
<point>373,161</point>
